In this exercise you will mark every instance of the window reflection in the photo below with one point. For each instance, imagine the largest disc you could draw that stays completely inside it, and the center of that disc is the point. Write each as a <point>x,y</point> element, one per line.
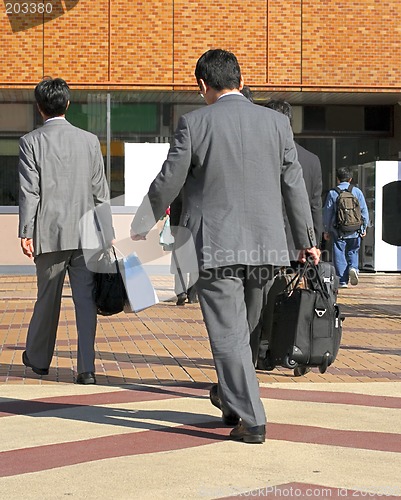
<point>119,117</point>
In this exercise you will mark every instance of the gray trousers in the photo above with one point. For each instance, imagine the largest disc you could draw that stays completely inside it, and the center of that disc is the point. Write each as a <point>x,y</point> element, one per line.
<point>231,300</point>
<point>51,269</point>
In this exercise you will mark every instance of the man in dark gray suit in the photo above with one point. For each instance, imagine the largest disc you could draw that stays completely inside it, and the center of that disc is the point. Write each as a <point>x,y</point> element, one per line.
<point>312,174</point>
<point>232,159</point>
<point>62,178</point>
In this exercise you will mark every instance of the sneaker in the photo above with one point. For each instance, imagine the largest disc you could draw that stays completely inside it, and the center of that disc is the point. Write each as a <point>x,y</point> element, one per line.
<point>353,276</point>
<point>342,285</point>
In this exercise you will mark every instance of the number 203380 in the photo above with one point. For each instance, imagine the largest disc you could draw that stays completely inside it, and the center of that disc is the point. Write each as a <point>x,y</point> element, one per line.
<point>29,8</point>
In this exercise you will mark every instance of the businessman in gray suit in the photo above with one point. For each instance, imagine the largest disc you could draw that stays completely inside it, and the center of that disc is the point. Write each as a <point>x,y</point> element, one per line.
<point>232,159</point>
<point>62,178</point>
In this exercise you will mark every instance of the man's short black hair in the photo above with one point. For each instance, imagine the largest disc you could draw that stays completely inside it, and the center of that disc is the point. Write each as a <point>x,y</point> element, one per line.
<point>219,69</point>
<point>52,96</point>
<point>281,106</point>
<point>343,174</point>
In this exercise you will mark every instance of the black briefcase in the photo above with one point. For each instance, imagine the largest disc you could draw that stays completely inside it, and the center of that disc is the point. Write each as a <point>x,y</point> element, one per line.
<point>110,293</point>
<point>307,324</point>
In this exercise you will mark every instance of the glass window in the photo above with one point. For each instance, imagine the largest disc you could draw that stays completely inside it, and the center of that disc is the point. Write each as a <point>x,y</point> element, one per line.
<point>9,183</point>
<point>314,118</point>
<point>121,117</point>
<point>127,118</point>
<point>323,148</point>
<point>136,122</point>
<point>378,118</point>
<point>142,117</point>
<point>16,119</point>
<point>88,111</point>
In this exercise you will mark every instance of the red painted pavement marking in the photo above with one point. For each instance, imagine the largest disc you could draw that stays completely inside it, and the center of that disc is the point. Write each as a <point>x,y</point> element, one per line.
<point>378,441</point>
<point>303,490</point>
<point>47,457</point>
<point>346,398</point>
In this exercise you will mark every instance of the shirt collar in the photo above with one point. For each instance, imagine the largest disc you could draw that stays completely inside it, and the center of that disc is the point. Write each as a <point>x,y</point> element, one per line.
<point>231,92</point>
<point>55,118</point>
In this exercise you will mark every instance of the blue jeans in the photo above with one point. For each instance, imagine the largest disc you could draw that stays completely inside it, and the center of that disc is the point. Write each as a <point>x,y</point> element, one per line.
<point>345,256</point>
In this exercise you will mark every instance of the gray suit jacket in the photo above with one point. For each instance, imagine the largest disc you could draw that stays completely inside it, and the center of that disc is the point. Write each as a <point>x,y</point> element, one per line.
<point>62,178</point>
<point>233,159</point>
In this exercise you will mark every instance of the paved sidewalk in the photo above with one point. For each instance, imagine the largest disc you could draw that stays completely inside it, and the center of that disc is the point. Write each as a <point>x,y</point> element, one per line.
<point>148,430</point>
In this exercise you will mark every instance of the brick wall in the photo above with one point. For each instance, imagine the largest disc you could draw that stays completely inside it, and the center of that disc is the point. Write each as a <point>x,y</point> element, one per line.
<point>355,43</point>
<point>280,44</point>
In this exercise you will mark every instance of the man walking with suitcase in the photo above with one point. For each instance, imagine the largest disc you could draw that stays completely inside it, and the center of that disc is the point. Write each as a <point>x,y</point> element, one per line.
<point>233,159</point>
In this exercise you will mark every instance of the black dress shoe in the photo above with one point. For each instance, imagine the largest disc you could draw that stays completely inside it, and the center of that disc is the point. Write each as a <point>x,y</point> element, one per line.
<point>229,418</point>
<point>263,364</point>
<point>39,371</point>
<point>86,378</point>
<point>181,298</point>
<point>255,434</point>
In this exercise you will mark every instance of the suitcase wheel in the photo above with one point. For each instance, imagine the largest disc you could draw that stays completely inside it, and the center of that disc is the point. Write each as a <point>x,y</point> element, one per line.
<point>325,363</point>
<point>289,363</point>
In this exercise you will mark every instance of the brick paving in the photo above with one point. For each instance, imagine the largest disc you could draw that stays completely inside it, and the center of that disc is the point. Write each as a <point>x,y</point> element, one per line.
<point>168,344</point>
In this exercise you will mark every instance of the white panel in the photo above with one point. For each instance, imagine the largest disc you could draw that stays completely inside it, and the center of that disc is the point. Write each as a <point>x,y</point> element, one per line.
<point>143,161</point>
<point>387,257</point>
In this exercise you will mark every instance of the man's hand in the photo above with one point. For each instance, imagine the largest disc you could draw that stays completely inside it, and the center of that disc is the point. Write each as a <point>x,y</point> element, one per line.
<point>326,236</point>
<point>137,237</point>
<point>27,247</point>
<point>313,252</point>
<point>110,244</point>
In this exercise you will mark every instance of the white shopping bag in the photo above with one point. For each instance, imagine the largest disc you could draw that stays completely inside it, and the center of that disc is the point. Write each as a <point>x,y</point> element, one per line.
<point>140,291</point>
<point>166,239</point>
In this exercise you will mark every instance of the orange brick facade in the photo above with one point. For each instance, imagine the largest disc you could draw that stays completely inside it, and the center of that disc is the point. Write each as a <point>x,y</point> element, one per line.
<point>287,45</point>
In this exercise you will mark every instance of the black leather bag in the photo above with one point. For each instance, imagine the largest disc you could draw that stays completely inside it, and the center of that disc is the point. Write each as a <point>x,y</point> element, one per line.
<point>110,294</point>
<point>307,324</point>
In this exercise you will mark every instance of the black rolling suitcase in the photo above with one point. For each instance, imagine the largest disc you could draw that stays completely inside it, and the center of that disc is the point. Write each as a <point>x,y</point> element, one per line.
<point>285,279</point>
<point>306,324</point>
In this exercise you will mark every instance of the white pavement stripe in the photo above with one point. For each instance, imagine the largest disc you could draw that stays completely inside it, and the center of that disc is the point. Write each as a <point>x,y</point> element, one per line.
<point>80,423</point>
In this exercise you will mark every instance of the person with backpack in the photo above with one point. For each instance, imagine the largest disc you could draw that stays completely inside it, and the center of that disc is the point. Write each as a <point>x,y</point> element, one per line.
<point>345,219</point>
